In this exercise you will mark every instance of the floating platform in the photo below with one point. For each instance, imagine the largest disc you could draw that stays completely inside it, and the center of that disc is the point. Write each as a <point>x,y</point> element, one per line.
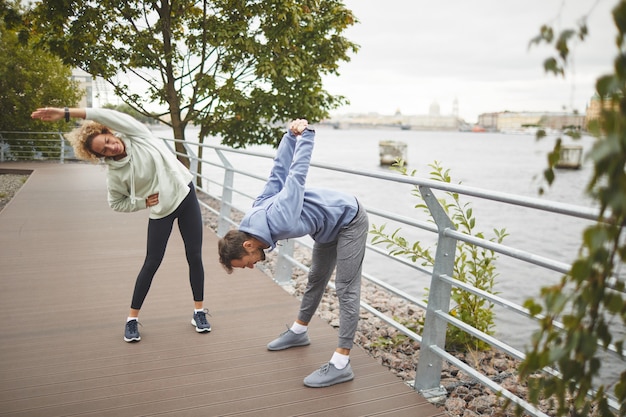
<point>570,157</point>
<point>390,151</point>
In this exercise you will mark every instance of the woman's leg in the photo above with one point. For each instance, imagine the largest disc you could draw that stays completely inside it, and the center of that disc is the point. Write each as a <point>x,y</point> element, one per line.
<point>159,231</point>
<point>190,225</point>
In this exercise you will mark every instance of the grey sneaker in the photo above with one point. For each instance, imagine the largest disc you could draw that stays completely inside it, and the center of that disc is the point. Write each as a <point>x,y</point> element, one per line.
<point>289,339</point>
<point>131,331</point>
<point>199,320</point>
<point>328,375</point>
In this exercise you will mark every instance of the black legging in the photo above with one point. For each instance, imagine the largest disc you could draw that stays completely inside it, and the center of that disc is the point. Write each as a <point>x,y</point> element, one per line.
<point>159,231</point>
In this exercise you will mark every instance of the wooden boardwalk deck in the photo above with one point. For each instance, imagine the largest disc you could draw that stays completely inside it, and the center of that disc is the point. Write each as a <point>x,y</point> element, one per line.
<point>67,269</point>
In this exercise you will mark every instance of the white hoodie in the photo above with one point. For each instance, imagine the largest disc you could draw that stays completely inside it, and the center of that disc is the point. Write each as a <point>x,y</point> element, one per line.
<point>149,167</point>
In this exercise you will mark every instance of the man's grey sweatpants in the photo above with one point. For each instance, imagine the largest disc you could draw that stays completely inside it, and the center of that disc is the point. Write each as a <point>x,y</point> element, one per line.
<point>347,254</point>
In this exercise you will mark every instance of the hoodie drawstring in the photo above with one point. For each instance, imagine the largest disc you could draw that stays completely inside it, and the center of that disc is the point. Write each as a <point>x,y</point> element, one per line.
<point>133,199</point>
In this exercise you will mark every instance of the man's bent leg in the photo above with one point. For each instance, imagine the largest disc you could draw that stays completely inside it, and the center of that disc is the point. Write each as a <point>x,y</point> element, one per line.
<point>323,263</point>
<point>350,254</point>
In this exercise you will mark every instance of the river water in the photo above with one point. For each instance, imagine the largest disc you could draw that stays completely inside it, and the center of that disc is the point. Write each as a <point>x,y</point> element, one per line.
<point>493,161</point>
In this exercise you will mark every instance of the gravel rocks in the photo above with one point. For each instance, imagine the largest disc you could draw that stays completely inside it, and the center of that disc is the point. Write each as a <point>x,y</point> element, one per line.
<point>9,185</point>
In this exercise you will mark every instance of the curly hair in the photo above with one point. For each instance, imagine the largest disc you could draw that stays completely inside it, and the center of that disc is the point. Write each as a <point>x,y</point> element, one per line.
<point>81,139</point>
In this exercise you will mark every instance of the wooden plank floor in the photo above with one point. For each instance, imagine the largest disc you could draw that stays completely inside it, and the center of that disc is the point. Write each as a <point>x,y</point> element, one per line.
<point>67,269</point>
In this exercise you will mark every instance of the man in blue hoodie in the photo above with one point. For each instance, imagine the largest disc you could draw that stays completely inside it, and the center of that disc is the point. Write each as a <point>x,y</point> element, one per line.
<point>334,220</point>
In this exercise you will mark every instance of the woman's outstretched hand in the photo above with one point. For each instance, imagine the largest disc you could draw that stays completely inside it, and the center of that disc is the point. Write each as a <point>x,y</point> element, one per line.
<point>48,114</point>
<point>298,126</point>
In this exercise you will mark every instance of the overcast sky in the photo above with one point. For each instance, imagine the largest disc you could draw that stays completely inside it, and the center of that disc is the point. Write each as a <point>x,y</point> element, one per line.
<point>416,52</point>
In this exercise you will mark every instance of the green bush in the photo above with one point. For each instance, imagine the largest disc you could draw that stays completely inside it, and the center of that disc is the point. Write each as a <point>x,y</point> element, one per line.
<point>472,265</point>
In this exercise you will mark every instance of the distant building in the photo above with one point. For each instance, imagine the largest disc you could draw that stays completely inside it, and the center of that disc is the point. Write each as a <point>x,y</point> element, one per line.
<point>431,121</point>
<point>560,121</point>
<point>488,121</point>
<point>595,108</point>
<point>516,122</point>
<point>85,82</point>
<point>428,122</point>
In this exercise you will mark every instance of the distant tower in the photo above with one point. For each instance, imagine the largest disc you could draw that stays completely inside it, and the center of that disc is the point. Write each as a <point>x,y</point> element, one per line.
<point>434,109</point>
<point>455,108</point>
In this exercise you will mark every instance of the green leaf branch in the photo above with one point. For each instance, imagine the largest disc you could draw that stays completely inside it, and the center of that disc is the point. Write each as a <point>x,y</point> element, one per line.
<point>472,265</point>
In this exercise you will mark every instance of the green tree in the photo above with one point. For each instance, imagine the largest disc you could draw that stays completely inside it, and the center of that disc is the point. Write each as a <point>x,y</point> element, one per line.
<point>589,300</point>
<point>237,69</point>
<point>29,78</point>
<point>125,108</point>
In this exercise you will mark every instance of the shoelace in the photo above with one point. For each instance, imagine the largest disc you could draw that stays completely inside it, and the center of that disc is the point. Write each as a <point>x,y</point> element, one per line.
<point>286,331</point>
<point>201,316</point>
<point>324,369</point>
<point>132,325</point>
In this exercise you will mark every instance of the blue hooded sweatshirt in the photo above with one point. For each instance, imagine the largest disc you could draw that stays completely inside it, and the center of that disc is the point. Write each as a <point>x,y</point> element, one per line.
<point>286,209</point>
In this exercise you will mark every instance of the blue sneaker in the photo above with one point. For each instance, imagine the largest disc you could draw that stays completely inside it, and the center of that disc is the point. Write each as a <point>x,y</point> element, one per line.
<point>131,334</point>
<point>289,339</point>
<point>328,375</point>
<point>199,320</point>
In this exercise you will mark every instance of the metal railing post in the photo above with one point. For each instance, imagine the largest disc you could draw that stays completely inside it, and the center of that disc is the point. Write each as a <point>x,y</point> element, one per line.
<point>428,375</point>
<point>284,268</point>
<point>193,160</point>
<point>227,195</point>
<point>62,156</point>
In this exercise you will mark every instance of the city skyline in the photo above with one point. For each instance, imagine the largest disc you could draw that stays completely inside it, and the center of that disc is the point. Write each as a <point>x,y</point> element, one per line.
<point>415,53</point>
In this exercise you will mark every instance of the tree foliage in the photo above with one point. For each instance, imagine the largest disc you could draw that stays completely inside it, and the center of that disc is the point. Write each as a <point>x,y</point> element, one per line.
<point>590,300</point>
<point>125,108</point>
<point>238,69</point>
<point>29,78</point>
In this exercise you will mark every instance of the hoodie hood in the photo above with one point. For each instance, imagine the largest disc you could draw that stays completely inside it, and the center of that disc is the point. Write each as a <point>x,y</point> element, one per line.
<point>255,223</point>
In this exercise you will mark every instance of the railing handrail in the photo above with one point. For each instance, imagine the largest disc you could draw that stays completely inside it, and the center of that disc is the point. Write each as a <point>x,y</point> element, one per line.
<point>56,139</point>
<point>524,201</point>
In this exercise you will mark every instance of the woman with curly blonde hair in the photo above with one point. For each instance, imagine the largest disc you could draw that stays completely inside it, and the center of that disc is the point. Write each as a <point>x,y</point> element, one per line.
<point>142,174</point>
<point>82,139</point>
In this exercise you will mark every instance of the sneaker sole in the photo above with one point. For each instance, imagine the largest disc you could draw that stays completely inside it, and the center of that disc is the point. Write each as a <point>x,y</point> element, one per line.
<point>133,339</point>
<point>329,384</point>
<point>199,330</point>
<point>288,346</point>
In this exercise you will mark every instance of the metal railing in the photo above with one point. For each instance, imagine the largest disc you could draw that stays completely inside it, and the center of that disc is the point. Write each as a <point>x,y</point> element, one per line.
<point>437,318</point>
<point>236,199</point>
<point>20,146</point>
